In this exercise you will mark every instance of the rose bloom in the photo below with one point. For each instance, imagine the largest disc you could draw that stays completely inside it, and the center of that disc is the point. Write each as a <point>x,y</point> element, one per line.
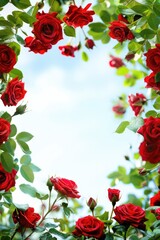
<point>68,50</point>
<point>113,195</point>
<point>14,92</point>
<point>155,200</point>
<point>65,187</point>
<point>27,218</point>
<point>119,109</point>
<point>151,82</point>
<point>153,59</point>
<point>150,130</point>
<point>89,226</point>
<point>5,130</point>
<point>136,102</point>
<point>122,19</point>
<point>115,62</point>
<point>150,152</point>
<point>157,213</point>
<point>47,29</point>
<point>7,179</point>
<point>36,45</point>
<point>7,58</point>
<point>78,16</point>
<point>120,31</point>
<point>130,215</point>
<point>89,43</point>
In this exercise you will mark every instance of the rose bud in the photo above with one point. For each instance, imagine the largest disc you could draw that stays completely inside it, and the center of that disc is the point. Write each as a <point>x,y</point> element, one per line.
<point>89,43</point>
<point>142,171</point>
<point>113,195</point>
<point>91,204</point>
<point>20,109</point>
<point>129,56</point>
<point>49,184</point>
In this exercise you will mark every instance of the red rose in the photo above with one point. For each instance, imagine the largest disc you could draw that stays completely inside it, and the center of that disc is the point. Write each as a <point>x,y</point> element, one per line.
<point>27,218</point>
<point>122,19</point>
<point>119,109</point>
<point>47,28</point>
<point>153,59</point>
<point>150,152</point>
<point>150,130</point>
<point>13,93</point>
<point>68,50</point>
<point>78,16</point>
<point>92,203</point>
<point>65,187</point>
<point>130,56</point>
<point>7,179</point>
<point>137,102</point>
<point>157,213</point>
<point>115,62</point>
<point>36,45</point>
<point>151,82</point>
<point>7,59</point>
<point>120,31</point>
<point>155,200</point>
<point>130,214</point>
<point>113,195</point>
<point>5,130</point>
<point>89,43</point>
<point>89,226</point>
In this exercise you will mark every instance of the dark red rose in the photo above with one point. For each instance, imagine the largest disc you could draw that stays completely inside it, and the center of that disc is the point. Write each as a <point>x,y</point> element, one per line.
<point>65,187</point>
<point>89,226</point>
<point>7,59</point>
<point>151,82</point>
<point>14,92</point>
<point>113,195</point>
<point>119,109</point>
<point>115,62</point>
<point>155,200</point>
<point>27,218</point>
<point>5,130</point>
<point>120,31</point>
<point>157,213</point>
<point>36,45</point>
<point>129,56</point>
<point>150,152</point>
<point>122,19</point>
<point>153,59</point>
<point>137,102</point>
<point>47,29</point>
<point>130,215</point>
<point>7,179</point>
<point>89,43</point>
<point>68,50</point>
<point>78,16</point>
<point>150,130</point>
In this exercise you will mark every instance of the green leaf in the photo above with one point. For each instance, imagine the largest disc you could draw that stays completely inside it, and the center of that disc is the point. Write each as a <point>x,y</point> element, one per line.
<point>46,236</point>
<point>69,31</point>
<point>6,33</point>
<point>3,2</point>
<point>25,160</point>
<point>16,73</point>
<point>9,146</point>
<point>134,46</point>
<point>24,136</point>
<point>97,27</point>
<point>105,38</point>
<point>16,47</point>
<point>139,8</point>
<point>105,16</point>
<point>28,189</point>
<point>60,234</point>
<point>122,71</point>
<point>42,196</point>
<point>147,33</point>
<point>20,39</point>
<point>121,128</point>
<point>156,8</point>
<point>156,104</point>
<point>135,123</point>
<point>109,236</point>
<point>96,35</point>
<point>34,167</point>
<point>84,56</point>
<point>27,173</point>
<point>157,77</point>
<point>7,161</point>
<point>151,113</point>
<point>5,23</point>
<point>24,146</point>
<point>153,21</point>
<point>21,4</point>
<point>13,130</point>
<point>27,18</point>
<point>21,206</point>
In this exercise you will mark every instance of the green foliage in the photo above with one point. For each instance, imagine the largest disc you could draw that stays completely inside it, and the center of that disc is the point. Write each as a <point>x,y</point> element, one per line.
<point>69,31</point>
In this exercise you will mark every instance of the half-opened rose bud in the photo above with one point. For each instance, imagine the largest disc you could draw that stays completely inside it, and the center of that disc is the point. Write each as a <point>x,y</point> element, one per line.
<point>114,195</point>
<point>89,43</point>
<point>91,204</point>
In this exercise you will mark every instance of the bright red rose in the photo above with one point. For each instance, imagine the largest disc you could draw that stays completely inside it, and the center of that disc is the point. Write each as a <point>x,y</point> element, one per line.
<point>120,31</point>
<point>14,92</point>
<point>157,213</point>
<point>151,82</point>
<point>119,109</point>
<point>113,195</point>
<point>78,16</point>
<point>47,28</point>
<point>153,59</point>
<point>7,179</point>
<point>150,130</point>
<point>7,59</point>
<point>89,226</point>
<point>65,187</point>
<point>27,218</point>
<point>150,152</point>
<point>137,102</point>
<point>130,215</point>
<point>89,43</point>
<point>155,200</point>
<point>115,62</point>
<point>5,130</point>
<point>36,45</point>
<point>68,50</point>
